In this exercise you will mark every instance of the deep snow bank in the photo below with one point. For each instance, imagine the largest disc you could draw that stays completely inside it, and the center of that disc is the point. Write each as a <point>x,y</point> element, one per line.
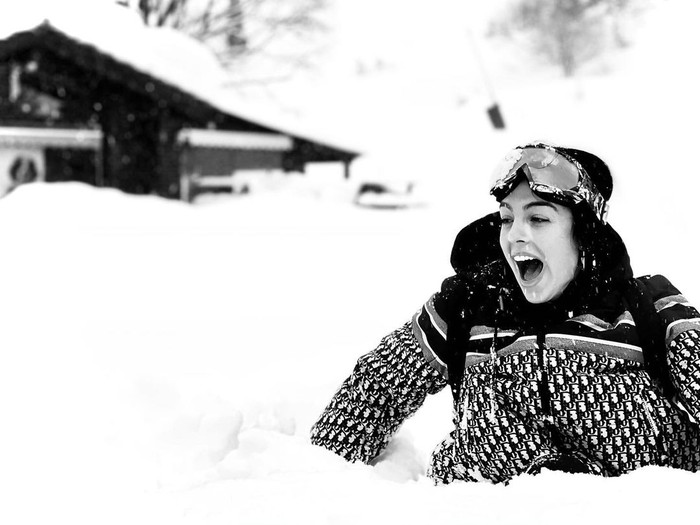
<point>163,363</point>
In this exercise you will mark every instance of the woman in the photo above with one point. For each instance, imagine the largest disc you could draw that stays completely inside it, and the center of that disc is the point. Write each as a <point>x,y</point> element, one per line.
<point>536,336</point>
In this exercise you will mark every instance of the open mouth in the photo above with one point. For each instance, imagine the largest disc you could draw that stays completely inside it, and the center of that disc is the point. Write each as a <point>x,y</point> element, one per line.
<point>529,267</point>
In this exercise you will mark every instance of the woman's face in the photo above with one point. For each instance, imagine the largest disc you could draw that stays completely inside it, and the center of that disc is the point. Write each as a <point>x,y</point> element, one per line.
<point>538,243</point>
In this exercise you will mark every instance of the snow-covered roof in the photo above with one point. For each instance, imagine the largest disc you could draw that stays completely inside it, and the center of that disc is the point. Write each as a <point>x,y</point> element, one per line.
<point>118,32</point>
<point>209,138</point>
<point>50,137</point>
<point>163,53</point>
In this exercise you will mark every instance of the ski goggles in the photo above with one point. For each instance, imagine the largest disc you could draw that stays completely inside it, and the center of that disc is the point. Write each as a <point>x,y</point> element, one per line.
<point>552,175</point>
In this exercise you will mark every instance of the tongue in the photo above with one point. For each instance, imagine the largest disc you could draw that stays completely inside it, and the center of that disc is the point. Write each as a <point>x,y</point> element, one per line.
<point>531,269</point>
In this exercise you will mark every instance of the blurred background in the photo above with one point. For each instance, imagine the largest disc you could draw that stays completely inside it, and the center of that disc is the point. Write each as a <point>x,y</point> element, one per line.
<point>391,91</point>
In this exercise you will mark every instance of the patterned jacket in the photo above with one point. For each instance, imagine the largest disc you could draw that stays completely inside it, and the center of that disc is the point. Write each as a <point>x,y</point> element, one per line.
<point>561,385</point>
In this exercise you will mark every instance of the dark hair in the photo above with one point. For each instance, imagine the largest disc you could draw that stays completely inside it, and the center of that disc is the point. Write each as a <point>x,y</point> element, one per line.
<point>592,236</point>
<point>603,257</point>
<point>587,232</point>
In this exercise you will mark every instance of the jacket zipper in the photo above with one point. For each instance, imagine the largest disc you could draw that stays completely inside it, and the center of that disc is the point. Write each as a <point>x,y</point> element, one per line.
<point>545,396</point>
<point>659,444</point>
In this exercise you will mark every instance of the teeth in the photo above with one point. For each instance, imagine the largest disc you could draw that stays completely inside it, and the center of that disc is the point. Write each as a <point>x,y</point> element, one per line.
<point>522,258</point>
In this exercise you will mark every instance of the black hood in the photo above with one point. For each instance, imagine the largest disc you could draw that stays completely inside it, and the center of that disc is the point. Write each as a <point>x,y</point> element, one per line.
<point>605,267</point>
<point>477,244</point>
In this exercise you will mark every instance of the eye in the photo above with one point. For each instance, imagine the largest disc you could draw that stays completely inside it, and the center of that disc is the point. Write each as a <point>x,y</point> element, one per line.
<point>506,220</point>
<point>539,219</point>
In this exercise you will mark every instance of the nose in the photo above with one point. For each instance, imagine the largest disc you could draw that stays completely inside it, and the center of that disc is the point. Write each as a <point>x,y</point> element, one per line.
<point>518,232</point>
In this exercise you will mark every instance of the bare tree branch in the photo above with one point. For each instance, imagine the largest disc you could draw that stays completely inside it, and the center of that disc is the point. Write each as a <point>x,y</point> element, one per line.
<point>241,29</point>
<point>566,32</point>
<point>169,11</point>
<point>200,21</point>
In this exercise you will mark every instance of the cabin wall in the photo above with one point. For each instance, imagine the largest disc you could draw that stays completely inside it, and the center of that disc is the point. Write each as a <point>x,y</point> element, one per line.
<point>213,161</point>
<point>65,164</point>
<point>47,79</point>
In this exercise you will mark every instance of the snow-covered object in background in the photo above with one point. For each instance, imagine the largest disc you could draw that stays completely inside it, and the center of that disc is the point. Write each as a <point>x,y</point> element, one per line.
<point>386,195</point>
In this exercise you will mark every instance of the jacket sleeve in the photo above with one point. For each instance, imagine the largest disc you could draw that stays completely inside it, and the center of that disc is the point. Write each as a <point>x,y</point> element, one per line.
<point>681,322</point>
<point>386,386</point>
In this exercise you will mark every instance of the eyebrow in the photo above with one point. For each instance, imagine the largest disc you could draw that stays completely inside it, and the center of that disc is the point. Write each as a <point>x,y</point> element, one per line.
<point>531,205</point>
<point>541,203</point>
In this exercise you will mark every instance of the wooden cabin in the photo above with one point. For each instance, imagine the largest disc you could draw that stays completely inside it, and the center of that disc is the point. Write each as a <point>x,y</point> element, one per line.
<point>69,111</point>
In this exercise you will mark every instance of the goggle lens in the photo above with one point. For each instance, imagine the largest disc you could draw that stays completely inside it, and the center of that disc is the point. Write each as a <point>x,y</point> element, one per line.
<point>551,175</point>
<point>542,167</point>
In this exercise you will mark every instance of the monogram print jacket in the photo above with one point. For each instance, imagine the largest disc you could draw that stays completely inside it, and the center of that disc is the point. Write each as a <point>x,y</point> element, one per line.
<point>562,385</point>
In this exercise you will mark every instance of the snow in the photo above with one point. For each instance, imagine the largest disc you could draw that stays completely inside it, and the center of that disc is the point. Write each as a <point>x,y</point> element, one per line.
<point>163,363</point>
<point>167,363</point>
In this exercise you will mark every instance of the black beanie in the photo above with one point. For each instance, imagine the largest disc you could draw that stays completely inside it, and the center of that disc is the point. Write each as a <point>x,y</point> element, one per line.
<point>597,170</point>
